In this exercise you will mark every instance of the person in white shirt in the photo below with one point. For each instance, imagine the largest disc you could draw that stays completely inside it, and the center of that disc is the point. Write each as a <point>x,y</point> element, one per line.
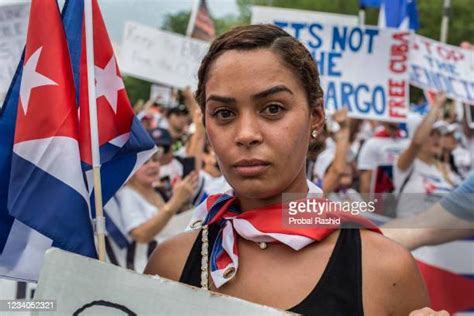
<point>141,212</point>
<point>376,159</point>
<point>420,177</point>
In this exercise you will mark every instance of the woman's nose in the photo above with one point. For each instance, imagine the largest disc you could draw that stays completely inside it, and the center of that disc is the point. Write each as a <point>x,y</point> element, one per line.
<point>248,131</point>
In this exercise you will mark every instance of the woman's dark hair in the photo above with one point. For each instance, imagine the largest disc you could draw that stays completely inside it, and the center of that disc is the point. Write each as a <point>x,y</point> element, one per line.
<point>250,37</point>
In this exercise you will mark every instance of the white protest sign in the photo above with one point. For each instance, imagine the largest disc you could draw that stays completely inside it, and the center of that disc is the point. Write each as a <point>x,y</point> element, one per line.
<point>13,27</point>
<point>362,68</point>
<point>83,286</point>
<point>161,94</point>
<point>441,67</point>
<point>161,56</point>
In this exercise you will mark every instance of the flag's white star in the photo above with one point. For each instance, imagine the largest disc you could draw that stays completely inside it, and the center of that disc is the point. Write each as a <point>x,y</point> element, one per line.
<point>32,79</point>
<point>108,83</point>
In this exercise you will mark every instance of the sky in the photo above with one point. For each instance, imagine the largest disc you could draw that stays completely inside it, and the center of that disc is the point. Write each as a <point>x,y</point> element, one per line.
<point>148,12</point>
<point>152,12</point>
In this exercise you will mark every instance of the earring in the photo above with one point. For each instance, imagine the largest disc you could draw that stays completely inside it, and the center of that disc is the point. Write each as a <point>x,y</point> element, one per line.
<point>314,133</point>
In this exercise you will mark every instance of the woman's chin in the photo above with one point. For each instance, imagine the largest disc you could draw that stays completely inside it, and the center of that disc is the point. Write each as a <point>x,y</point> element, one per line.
<point>256,189</point>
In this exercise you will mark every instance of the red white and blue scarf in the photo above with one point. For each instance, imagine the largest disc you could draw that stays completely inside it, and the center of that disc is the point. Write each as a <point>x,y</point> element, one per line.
<point>259,225</point>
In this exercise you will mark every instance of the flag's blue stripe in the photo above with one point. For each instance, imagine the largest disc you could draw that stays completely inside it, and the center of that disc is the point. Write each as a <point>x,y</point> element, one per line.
<point>108,152</point>
<point>7,134</point>
<point>69,227</point>
<point>114,174</point>
<point>115,233</point>
<point>72,20</point>
<point>139,139</point>
<point>468,276</point>
<point>217,251</point>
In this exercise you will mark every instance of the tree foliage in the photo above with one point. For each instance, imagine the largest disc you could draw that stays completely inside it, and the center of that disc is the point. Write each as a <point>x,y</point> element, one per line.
<point>461,26</point>
<point>137,89</point>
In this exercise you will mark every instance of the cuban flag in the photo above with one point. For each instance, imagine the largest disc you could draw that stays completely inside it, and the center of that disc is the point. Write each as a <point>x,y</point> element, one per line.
<point>448,272</point>
<point>124,144</point>
<point>401,14</point>
<point>19,244</point>
<point>47,196</point>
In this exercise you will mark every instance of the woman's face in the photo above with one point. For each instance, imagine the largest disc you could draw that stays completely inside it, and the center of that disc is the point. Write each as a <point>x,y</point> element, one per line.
<point>433,145</point>
<point>449,142</point>
<point>149,172</point>
<point>259,123</point>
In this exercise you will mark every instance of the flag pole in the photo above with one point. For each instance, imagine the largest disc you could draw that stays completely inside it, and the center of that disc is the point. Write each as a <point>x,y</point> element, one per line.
<point>192,18</point>
<point>99,219</point>
<point>361,16</point>
<point>445,21</point>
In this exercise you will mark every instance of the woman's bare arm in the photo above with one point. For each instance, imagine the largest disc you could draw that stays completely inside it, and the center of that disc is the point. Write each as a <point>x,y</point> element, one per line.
<point>170,256</point>
<point>392,284</point>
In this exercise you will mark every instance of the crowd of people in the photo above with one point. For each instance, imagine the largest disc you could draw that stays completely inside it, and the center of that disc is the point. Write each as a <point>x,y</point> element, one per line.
<point>410,168</point>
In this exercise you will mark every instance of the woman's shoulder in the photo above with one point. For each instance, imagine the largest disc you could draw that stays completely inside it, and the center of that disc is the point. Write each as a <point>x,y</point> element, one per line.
<point>390,270</point>
<point>384,255</point>
<point>169,257</point>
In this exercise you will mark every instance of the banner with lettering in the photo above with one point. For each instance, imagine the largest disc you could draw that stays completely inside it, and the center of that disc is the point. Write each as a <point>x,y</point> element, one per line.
<point>159,56</point>
<point>437,66</point>
<point>362,68</point>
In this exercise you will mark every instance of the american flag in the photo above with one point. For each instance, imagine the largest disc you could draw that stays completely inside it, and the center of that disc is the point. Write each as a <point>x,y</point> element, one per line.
<point>201,25</point>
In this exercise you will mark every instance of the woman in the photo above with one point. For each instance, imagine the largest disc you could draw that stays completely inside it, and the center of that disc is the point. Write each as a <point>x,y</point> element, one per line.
<point>143,213</point>
<point>420,177</point>
<point>262,103</point>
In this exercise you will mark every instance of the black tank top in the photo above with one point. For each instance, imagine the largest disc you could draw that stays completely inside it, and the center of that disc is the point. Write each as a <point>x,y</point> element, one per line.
<point>338,292</point>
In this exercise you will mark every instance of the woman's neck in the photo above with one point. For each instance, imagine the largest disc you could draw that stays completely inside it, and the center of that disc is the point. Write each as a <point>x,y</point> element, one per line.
<point>298,189</point>
<point>427,158</point>
<point>140,187</point>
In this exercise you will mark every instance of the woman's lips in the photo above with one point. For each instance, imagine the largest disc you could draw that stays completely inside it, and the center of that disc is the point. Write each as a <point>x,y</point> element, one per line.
<point>251,167</point>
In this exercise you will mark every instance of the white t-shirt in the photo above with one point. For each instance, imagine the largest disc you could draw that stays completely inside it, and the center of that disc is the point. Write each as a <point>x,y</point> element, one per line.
<point>380,151</point>
<point>425,186</point>
<point>214,185</point>
<point>378,154</point>
<point>129,211</point>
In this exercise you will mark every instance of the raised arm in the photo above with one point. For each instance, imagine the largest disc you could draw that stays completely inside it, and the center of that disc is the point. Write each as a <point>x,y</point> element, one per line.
<point>421,134</point>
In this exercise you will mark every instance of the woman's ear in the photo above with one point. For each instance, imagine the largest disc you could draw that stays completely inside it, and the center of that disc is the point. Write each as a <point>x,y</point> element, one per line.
<point>318,116</point>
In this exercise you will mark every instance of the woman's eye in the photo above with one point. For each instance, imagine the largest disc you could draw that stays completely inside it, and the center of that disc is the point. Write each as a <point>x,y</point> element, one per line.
<point>273,109</point>
<point>223,114</point>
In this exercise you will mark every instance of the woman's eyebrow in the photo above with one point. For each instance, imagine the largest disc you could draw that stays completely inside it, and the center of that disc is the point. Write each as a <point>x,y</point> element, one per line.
<point>272,90</point>
<point>221,99</point>
<point>260,95</point>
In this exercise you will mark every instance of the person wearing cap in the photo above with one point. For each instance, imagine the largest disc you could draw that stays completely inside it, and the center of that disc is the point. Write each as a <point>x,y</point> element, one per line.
<point>178,120</point>
<point>420,177</point>
<point>171,168</point>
